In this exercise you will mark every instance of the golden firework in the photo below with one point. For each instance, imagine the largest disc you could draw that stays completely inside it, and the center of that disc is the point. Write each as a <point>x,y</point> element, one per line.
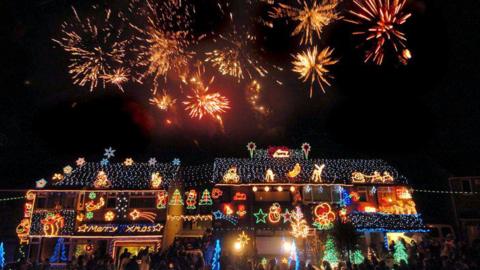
<point>163,102</point>
<point>96,50</point>
<point>118,77</point>
<point>380,20</point>
<point>235,58</point>
<point>201,102</point>
<point>311,17</point>
<point>165,41</point>
<point>313,66</point>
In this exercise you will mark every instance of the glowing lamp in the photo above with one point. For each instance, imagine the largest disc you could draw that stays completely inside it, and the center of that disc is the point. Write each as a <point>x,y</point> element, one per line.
<point>286,246</point>
<point>370,209</point>
<point>237,246</point>
<point>254,189</point>
<point>279,188</point>
<point>267,189</point>
<point>292,188</point>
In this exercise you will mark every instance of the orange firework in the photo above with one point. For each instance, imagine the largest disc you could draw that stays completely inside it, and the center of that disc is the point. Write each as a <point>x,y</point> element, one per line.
<point>310,16</point>
<point>96,50</point>
<point>201,102</point>
<point>163,102</point>
<point>164,43</point>
<point>381,20</point>
<point>313,65</point>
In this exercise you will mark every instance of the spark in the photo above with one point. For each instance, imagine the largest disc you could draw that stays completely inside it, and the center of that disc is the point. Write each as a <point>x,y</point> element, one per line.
<point>163,102</point>
<point>313,66</point>
<point>235,58</point>
<point>96,50</point>
<point>201,102</point>
<point>380,20</point>
<point>165,41</point>
<point>253,92</point>
<point>118,77</point>
<point>311,17</point>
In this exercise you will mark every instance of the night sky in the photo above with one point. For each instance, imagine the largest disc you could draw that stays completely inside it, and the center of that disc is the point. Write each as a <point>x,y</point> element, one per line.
<point>422,117</point>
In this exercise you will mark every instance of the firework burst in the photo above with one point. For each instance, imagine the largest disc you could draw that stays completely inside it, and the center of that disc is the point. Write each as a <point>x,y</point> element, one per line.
<point>163,102</point>
<point>312,65</point>
<point>235,58</point>
<point>311,17</point>
<point>96,51</point>
<point>201,102</point>
<point>164,44</point>
<point>380,20</point>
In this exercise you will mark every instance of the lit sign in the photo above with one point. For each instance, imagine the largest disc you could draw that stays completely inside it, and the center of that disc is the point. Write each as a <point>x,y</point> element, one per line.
<point>279,152</point>
<point>119,228</point>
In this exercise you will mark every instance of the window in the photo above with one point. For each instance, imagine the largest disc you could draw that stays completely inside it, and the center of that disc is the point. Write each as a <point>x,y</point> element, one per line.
<point>142,202</point>
<point>69,202</point>
<point>111,202</point>
<point>466,186</point>
<point>41,202</point>
<point>362,194</point>
<point>318,194</point>
<point>273,196</point>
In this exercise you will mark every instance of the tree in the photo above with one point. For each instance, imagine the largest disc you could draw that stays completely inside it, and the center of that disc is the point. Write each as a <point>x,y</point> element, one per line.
<point>59,254</point>
<point>400,252</point>
<point>2,256</point>
<point>216,256</point>
<point>330,254</point>
<point>206,198</point>
<point>357,257</point>
<point>176,198</point>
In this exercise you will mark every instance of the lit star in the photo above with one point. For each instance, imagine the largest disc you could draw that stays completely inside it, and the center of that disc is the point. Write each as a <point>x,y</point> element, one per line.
<point>320,189</point>
<point>135,214</point>
<point>176,162</point>
<point>260,216</point>
<point>83,228</point>
<point>109,152</point>
<point>243,239</point>
<point>373,190</point>
<point>217,214</point>
<point>308,188</point>
<point>157,228</point>
<point>80,161</point>
<point>41,183</point>
<point>104,162</point>
<point>287,217</point>
<point>339,189</point>
<point>152,161</point>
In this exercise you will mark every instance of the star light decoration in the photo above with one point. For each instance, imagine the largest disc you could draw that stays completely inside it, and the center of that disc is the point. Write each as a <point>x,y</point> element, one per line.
<point>104,162</point>
<point>41,183</point>
<point>260,216</point>
<point>128,162</point>
<point>287,216</point>
<point>80,161</point>
<point>176,162</point>
<point>152,161</point>
<point>243,239</point>
<point>67,169</point>
<point>313,65</point>
<point>109,152</point>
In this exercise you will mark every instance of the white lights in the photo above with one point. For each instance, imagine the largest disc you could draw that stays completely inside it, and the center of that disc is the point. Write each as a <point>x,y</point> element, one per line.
<point>267,188</point>
<point>287,247</point>
<point>292,189</point>
<point>237,246</point>
<point>254,189</point>
<point>280,188</point>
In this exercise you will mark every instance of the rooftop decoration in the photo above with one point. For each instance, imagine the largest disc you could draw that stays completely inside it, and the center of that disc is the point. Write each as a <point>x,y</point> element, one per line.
<point>385,222</point>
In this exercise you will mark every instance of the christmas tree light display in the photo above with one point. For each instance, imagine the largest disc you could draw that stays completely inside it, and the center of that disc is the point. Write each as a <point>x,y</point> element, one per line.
<point>206,198</point>
<point>330,255</point>
<point>176,198</point>
<point>59,254</point>
<point>2,256</point>
<point>216,256</point>
<point>357,257</point>
<point>400,252</point>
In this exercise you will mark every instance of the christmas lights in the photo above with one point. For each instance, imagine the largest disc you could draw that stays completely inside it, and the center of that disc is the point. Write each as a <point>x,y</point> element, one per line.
<point>135,214</point>
<point>52,223</point>
<point>176,198</point>
<point>324,216</point>
<point>190,217</point>
<point>216,193</point>
<point>191,199</point>
<point>378,222</point>
<point>240,196</point>
<point>274,214</point>
<point>206,199</point>
<point>260,216</point>
<point>243,239</point>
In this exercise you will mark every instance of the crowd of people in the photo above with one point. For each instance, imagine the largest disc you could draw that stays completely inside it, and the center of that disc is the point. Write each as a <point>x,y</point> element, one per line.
<point>426,255</point>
